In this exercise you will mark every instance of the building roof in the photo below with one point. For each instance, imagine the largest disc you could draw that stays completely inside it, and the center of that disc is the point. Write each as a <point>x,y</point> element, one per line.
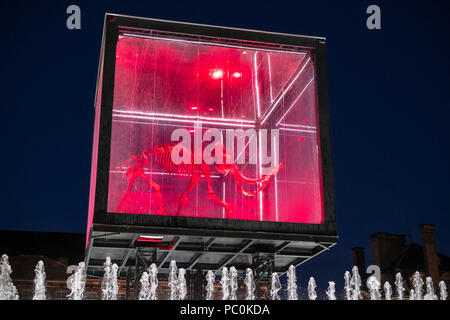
<point>53,245</point>
<point>23,268</point>
<point>412,259</point>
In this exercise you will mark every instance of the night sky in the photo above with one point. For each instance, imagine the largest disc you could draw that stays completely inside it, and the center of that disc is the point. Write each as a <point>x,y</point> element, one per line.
<point>388,92</point>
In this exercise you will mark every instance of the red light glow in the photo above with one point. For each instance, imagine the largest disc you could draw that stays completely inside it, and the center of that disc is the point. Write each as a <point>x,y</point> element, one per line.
<point>177,89</point>
<point>169,247</point>
<point>217,74</point>
<point>149,239</point>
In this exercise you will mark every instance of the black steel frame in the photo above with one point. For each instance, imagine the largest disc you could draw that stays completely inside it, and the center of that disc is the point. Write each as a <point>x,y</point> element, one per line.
<point>206,226</point>
<point>136,257</point>
<point>137,254</point>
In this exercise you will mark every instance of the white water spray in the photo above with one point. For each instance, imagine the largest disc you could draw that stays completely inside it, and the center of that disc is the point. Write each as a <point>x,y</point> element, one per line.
<point>312,289</point>
<point>153,279</point>
<point>77,283</point>
<point>39,282</point>
<point>292,284</point>
<point>355,284</point>
<point>430,295</point>
<point>110,287</point>
<point>173,280</point>
<point>144,293</point>
<point>374,288</point>
<point>233,283</point>
<point>387,291</point>
<point>181,284</point>
<point>347,286</point>
<point>225,282</point>
<point>275,287</point>
<point>418,286</point>
<point>443,290</point>
<point>331,291</point>
<point>210,279</point>
<point>7,289</point>
<point>249,282</point>
<point>399,286</point>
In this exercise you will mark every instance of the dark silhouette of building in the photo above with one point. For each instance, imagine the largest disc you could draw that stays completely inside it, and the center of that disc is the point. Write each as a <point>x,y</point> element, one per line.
<point>61,252</point>
<point>393,254</point>
<point>64,247</point>
<point>57,250</point>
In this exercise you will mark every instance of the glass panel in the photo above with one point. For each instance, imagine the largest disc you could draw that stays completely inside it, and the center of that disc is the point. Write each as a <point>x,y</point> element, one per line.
<point>207,87</point>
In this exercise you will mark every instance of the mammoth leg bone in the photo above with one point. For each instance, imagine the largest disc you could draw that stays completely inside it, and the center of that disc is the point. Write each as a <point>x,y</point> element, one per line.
<point>158,194</point>
<point>211,195</point>
<point>183,197</point>
<point>133,173</point>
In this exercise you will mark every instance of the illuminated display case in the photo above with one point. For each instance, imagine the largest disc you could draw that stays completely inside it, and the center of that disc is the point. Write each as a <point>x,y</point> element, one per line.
<point>267,89</point>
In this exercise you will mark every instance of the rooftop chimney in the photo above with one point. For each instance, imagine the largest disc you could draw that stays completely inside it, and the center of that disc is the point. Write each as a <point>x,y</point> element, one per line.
<point>430,252</point>
<point>386,248</point>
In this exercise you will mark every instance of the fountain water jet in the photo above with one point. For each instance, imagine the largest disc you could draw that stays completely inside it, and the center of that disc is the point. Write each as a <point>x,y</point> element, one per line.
<point>347,286</point>
<point>331,291</point>
<point>210,279</point>
<point>387,291</point>
<point>418,286</point>
<point>7,289</point>
<point>181,284</point>
<point>411,294</point>
<point>249,282</point>
<point>233,283</point>
<point>443,290</point>
<point>77,283</point>
<point>399,285</point>
<point>225,282</point>
<point>153,278</point>
<point>229,282</point>
<point>173,280</point>
<point>292,284</point>
<point>115,284</point>
<point>110,286</point>
<point>39,282</point>
<point>144,293</point>
<point>374,288</point>
<point>275,287</point>
<point>430,295</point>
<point>312,289</point>
<point>355,284</point>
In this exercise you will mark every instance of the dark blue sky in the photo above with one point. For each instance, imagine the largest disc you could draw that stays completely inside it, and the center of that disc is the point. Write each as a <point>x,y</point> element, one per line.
<point>389,103</point>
